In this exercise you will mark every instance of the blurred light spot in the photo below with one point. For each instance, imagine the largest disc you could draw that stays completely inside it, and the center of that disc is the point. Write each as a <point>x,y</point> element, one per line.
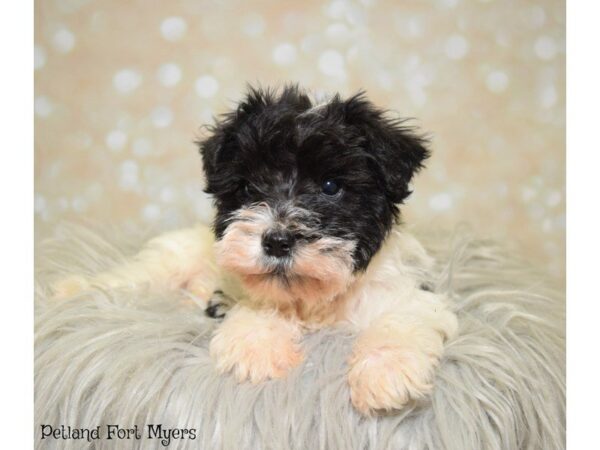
<point>169,74</point>
<point>417,80</point>
<point>126,80</point>
<point>545,47</point>
<point>63,40</point>
<point>414,27</point>
<point>331,63</point>
<point>206,86</point>
<point>55,169</point>
<point>128,175</point>
<point>448,3</point>
<point>284,54</point>
<point>167,194</point>
<point>253,24</point>
<point>456,47</point>
<point>548,96</point>
<point>497,81</point>
<point>151,212</point>
<point>142,147</point>
<point>39,57</point>
<point>338,32</point>
<point>161,117</point>
<point>355,16</point>
<point>173,28</point>
<point>42,106</point>
<point>79,204</point>
<point>39,203</point>
<point>502,38</point>
<point>553,199</point>
<point>116,140</point>
<point>336,9</point>
<point>441,202</point>
<point>527,194</point>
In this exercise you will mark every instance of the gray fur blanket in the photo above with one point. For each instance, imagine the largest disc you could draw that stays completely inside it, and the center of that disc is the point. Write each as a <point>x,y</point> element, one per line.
<point>139,361</point>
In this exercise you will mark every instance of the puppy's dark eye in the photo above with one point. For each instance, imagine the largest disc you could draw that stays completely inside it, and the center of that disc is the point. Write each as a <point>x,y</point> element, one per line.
<point>330,187</point>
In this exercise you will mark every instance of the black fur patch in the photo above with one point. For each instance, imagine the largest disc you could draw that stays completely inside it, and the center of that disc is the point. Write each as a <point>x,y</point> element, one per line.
<point>278,147</point>
<point>218,305</point>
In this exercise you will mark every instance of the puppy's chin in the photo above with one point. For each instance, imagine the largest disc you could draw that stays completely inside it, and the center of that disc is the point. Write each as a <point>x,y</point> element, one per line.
<point>313,275</point>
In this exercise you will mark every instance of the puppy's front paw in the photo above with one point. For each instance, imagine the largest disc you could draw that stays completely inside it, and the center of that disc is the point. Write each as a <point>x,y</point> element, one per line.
<point>393,363</point>
<point>256,345</point>
<point>218,305</point>
<point>389,380</point>
<point>68,287</point>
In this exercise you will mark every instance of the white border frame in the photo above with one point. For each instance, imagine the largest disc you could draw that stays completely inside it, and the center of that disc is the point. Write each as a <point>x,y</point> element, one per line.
<point>16,198</point>
<point>583,222</point>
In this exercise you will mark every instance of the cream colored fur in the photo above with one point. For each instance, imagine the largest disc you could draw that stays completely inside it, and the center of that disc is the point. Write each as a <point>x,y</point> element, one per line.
<point>402,327</point>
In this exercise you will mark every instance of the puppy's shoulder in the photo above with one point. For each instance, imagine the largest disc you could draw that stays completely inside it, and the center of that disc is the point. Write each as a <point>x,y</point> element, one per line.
<point>404,252</point>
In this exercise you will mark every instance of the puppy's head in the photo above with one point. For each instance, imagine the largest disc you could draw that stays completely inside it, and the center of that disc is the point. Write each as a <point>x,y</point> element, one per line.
<point>305,194</point>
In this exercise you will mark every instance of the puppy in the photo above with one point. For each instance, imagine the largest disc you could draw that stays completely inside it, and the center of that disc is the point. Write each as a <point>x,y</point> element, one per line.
<point>306,236</point>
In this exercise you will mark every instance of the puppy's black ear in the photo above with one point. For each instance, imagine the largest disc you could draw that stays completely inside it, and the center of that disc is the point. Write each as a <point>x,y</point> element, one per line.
<point>225,135</point>
<point>209,150</point>
<point>397,151</point>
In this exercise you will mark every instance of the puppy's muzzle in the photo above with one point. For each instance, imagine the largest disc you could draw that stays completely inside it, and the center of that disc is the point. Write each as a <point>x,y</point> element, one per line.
<point>278,243</point>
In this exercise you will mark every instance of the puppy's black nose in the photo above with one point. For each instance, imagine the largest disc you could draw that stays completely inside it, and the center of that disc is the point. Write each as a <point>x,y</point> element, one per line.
<point>278,243</point>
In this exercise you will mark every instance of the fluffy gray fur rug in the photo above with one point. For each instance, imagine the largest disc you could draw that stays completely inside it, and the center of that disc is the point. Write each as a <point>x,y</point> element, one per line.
<point>141,358</point>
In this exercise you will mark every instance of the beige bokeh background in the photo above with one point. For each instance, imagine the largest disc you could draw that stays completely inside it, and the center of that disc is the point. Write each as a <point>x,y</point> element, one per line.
<point>122,87</point>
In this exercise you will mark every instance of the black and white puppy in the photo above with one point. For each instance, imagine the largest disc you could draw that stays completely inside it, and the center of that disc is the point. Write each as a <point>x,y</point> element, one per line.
<point>306,236</point>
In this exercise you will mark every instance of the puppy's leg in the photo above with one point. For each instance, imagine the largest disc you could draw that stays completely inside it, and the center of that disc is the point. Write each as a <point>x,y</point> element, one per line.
<point>256,345</point>
<point>171,260</point>
<point>394,358</point>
